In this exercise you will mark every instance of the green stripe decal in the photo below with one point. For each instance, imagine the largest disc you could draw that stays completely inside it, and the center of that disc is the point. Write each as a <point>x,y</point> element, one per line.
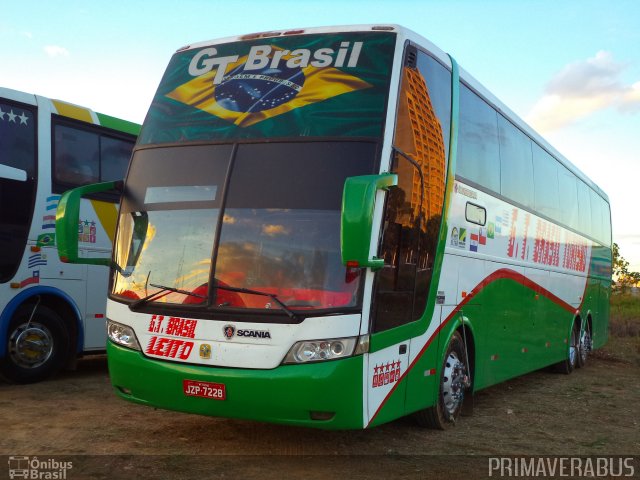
<point>118,124</point>
<point>490,281</point>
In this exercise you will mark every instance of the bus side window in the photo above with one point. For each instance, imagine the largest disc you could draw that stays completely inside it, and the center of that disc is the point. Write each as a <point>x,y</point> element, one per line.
<point>414,207</point>
<point>395,282</point>
<point>77,156</point>
<point>478,146</point>
<point>114,158</point>
<point>17,152</point>
<point>82,155</point>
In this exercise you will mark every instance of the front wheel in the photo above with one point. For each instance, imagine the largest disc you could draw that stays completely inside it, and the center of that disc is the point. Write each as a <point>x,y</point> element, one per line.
<point>455,379</point>
<point>37,345</point>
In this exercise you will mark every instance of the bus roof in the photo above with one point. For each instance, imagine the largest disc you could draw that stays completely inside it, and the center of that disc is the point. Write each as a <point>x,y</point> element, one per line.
<point>73,111</point>
<point>407,34</point>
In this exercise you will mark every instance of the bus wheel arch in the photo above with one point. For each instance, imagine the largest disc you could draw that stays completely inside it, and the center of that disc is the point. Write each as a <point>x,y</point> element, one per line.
<point>40,338</point>
<point>456,375</point>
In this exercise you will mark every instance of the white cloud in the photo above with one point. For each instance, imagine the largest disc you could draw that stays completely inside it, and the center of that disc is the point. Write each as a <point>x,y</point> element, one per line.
<point>581,89</point>
<point>56,51</point>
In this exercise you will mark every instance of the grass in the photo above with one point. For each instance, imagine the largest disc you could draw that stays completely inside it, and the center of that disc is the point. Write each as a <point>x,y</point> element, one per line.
<point>624,328</point>
<point>625,315</point>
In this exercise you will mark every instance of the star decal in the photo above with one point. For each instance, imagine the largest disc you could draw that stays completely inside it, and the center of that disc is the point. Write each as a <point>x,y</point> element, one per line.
<point>23,119</point>
<point>12,116</point>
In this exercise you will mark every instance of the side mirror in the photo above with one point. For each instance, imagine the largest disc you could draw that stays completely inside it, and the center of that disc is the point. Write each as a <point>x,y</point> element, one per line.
<point>358,201</point>
<point>67,217</point>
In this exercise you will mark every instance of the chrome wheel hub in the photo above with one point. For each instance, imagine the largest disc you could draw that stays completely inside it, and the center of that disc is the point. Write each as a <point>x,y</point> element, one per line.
<point>454,382</point>
<point>573,347</point>
<point>30,345</point>
<point>585,345</point>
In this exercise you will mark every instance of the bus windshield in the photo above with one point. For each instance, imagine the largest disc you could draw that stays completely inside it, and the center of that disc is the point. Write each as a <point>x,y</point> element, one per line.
<point>214,220</point>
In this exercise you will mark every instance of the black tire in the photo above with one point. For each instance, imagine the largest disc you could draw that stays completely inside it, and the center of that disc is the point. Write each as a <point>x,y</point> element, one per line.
<point>37,349</point>
<point>570,363</point>
<point>585,344</point>
<point>454,381</point>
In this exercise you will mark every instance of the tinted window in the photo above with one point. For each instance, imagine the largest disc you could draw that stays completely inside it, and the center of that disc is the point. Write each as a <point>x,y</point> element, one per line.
<point>478,151</point>
<point>86,154</point>
<point>516,167</point>
<point>17,183</point>
<point>310,175</point>
<point>414,207</point>
<point>114,158</point>
<point>17,137</point>
<point>438,82</point>
<point>281,224</point>
<point>545,183</point>
<point>77,156</point>
<point>396,281</point>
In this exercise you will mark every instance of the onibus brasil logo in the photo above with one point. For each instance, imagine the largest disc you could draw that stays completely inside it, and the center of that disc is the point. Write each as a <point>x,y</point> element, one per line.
<point>268,81</point>
<point>35,468</point>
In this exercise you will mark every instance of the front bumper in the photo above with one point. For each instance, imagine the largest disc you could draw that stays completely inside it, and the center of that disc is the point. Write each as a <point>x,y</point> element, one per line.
<point>288,394</point>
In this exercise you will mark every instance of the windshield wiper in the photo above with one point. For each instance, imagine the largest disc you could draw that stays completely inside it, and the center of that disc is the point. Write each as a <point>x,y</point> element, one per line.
<point>163,291</point>
<point>272,296</point>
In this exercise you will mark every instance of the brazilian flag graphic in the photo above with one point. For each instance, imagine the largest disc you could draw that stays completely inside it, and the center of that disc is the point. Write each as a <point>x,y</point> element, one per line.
<point>280,99</point>
<point>248,98</point>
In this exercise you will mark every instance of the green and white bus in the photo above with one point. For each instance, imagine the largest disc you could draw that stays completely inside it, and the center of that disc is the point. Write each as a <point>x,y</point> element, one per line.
<point>337,227</point>
<point>51,312</point>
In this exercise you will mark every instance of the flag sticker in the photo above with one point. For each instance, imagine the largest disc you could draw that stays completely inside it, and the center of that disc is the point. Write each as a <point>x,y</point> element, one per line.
<point>473,245</point>
<point>37,260</point>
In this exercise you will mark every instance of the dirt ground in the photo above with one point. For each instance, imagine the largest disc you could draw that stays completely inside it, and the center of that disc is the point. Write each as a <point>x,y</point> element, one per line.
<point>592,412</point>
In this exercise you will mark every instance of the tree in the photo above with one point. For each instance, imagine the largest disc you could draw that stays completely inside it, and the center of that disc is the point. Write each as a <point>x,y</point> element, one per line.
<point>622,277</point>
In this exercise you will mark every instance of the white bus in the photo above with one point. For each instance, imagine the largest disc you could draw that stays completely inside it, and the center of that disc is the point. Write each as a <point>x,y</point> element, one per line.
<point>336,227</point>
<point>51,312</point>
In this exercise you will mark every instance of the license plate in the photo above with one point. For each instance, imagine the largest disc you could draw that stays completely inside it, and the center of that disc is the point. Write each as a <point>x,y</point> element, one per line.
<point>214,391</point>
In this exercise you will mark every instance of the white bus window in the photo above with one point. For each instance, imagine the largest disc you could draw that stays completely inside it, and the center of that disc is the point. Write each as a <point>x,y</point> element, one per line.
<point>606,224</point>
<point>597,219</point>
<point>568,196</point>
<point>475,214</point>
<point>516,167</point>
<point>584,210</point>
<point>545,183</point>
<point>478,151</point>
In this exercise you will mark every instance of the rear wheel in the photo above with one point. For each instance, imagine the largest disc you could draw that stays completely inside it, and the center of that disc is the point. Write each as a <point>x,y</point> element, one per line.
<point>454,381</point>
<point>585,345</point>
<point>569,364</point>
<point>37,345</point>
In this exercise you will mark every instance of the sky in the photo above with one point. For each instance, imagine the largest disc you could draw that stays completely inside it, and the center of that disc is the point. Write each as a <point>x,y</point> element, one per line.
<point>570,68</point>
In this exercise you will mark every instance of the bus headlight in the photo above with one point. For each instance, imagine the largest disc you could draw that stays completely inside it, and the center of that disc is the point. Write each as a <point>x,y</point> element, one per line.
<point>122,335</point>
<point>330,349</point>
